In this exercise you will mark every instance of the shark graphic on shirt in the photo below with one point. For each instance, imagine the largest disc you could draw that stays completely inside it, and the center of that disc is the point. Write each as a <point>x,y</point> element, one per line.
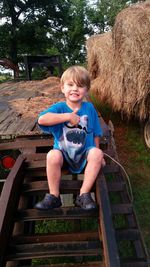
<point>73,138</point>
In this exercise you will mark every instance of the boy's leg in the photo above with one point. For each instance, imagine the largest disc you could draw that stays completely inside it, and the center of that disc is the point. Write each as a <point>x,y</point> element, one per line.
<point>54,162</point>
<point>94,163</point>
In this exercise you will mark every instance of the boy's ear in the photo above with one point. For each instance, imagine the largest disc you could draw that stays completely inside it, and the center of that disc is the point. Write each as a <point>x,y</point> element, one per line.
<point>86,93</point>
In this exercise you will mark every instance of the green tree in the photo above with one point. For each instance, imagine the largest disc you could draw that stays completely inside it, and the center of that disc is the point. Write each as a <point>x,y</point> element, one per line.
<point>71,38</point>
<point>102,14</point>
<point>47,27</point>
<point>27,24</point>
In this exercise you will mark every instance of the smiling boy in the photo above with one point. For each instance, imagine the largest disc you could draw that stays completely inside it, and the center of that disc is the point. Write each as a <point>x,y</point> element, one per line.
<point>76,129</point>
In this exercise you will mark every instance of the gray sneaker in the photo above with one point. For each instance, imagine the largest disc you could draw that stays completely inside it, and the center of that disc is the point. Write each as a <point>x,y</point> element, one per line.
<point>85,202</point>
<point>49,202</point>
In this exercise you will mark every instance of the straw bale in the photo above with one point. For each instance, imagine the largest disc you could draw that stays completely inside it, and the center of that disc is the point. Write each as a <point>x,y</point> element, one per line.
<point>131,64</point>
<point>99,49</point>
<point>122,76</point>
<point>99,57</point>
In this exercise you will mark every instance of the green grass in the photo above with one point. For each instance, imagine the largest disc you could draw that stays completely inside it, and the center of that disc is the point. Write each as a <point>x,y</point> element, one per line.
<point>126,249</point>
<point>53,226</point>
<point>135,141</point>
<point>65,226</point>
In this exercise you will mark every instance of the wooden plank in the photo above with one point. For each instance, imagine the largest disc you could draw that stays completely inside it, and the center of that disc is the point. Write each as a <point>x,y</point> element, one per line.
<point>111,255</point>
<point>135,264</point>
<point>108,169</point>
<point>37,187</point>
<point>27,142</point>
<point>36,164</point>
<point>36,174</point>
<point>36,156</point>
<point>58,213</point>
<point>122,208</point>
<point>116,186</point>
<point>40,174</point>
<point>76,264</point>
<point>55,237</point>
<point>127,234</point>
<point>8,204</point>
<point>10,120</point>
<point>20,127</point>
<point>82,264</point>
<point>4,114</point>
<point>56,249</point>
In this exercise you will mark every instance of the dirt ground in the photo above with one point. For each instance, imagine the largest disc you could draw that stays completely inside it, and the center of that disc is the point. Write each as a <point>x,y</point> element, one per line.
<point>121,144</point>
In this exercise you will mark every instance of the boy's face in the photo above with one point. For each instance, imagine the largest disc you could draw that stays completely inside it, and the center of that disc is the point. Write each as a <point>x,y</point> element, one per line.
<point>74,93</point>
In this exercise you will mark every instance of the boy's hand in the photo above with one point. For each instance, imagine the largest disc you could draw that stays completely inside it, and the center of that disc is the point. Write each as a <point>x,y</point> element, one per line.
<point>74,118</point>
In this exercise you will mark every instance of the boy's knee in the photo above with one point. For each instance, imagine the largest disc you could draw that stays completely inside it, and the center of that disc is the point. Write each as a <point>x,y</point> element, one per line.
<point>96,155</point>
<point>54,157</point>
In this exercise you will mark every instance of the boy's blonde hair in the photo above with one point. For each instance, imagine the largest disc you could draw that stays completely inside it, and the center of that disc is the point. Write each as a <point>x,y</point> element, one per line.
<point>78,74</point>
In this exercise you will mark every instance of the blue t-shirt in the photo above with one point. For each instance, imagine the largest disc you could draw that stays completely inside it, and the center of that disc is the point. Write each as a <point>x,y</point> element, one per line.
<point>74,141</point>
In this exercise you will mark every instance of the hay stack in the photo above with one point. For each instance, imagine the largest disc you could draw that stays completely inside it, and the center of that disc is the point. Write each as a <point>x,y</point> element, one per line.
<point>99,55</point>
<point>131,46</point>
<point>129,79</point>
<point>99,59</point>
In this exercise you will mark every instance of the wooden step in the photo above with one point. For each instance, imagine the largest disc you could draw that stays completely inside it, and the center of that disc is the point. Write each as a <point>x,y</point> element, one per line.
<point>66,186</point>
<point>86,264</point>
<point>127,234</point>
<point>54,237</point>
<point>72,244</point>
<point>59,213</point>
<point>26,143</point>
<point>108,169</point>
<point>116,186</point>
<point>135,264</point>
<point>57,249</point>
<point>40,164</point>
<point>122,208</point>
<point>36,164</point>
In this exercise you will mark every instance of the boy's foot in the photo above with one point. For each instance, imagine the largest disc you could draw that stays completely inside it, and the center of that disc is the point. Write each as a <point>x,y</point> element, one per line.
<point>85,201</point>
<point>49,202</point>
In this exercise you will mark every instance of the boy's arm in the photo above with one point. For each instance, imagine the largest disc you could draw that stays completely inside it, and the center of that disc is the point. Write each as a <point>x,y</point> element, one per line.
<point>97,141</point>
<point>50,119</point>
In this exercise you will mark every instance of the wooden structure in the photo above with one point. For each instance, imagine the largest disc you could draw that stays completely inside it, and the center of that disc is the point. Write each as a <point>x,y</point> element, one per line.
<point>20,104</point>
<point>51,62</point>
<point>115,219</point>
<point>95,238</point>
<point>8,64</point>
